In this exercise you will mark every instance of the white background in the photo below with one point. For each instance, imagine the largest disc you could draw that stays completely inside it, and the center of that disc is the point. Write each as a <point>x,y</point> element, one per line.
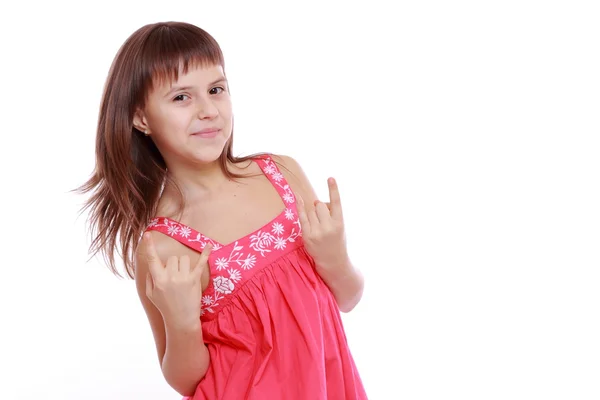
<point>464,135</point>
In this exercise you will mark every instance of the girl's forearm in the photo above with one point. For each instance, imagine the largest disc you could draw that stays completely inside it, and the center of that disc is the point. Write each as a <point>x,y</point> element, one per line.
<point>186,357</point>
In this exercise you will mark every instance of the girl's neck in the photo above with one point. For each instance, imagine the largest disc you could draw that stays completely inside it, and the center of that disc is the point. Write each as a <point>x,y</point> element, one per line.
<point>198,180</point>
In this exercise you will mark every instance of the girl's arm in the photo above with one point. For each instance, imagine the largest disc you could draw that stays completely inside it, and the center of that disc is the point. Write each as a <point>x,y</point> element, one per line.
<point>182,355</point>
<point>345,281</point>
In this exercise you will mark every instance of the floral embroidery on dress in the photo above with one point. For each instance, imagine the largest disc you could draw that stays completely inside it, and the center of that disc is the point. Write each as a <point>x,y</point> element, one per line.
<point>228,271</point>
<point>174,229</point>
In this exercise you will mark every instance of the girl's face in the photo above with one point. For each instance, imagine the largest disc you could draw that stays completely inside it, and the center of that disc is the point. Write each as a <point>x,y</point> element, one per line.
<point>189,120</point>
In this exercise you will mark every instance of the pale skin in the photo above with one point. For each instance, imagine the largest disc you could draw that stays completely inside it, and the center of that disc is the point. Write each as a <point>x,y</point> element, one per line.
<point>171,277</point>
<point>324,237</point>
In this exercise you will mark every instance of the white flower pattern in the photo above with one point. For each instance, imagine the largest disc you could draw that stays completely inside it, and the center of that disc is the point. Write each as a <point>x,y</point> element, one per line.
<point>231,264</point>
<point>173,230</point>
<point>223,284</point>
<point>185,231</point>
<point>235,275</point>
<point>261,242</point>
<point>249,262</point>
<point>277,228</point>
<point>278,176</point>
<point>270,169</point>
<point>289,214</point>
<point>288,198</point>
<point>221,263</point>
<point>280,243</point>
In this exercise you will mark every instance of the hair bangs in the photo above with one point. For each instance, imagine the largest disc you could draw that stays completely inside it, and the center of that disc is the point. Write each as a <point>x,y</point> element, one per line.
<point>170,51</point>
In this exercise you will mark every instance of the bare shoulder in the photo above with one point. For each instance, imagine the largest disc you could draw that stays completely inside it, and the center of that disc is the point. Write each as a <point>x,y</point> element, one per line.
<point>296,177</point>
<point>286,161</point>
<point>291,169</point>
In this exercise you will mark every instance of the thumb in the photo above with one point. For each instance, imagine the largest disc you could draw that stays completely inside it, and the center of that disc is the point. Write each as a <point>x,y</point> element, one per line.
<point>203,260</point>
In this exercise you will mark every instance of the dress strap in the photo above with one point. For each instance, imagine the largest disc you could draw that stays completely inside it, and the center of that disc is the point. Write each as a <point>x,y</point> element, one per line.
<point>270,169</point>
<point>182,233</point>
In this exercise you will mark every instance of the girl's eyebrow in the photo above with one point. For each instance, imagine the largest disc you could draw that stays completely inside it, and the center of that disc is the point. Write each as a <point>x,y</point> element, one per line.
<point>220,80</point>
<point>177,88</point>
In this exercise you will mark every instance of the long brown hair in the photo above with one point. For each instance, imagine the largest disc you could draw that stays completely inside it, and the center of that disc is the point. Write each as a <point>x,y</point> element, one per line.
<point>130,171</point>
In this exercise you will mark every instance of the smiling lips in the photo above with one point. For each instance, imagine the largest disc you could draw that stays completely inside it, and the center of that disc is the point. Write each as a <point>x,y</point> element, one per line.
<point>207,133</point>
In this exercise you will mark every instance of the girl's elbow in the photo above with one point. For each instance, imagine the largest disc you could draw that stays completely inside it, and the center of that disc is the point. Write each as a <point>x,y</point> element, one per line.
<point>185,390</point>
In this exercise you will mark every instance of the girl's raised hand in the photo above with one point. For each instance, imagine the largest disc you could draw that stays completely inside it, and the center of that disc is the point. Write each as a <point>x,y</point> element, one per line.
<point>323,229</point>
<point>175,289</point>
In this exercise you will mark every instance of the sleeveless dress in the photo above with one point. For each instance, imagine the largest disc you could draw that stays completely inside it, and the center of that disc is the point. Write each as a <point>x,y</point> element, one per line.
<point>272,327</point>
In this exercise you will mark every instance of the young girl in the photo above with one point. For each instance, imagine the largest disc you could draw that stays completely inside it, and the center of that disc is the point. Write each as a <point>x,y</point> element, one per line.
<point>241,271</point>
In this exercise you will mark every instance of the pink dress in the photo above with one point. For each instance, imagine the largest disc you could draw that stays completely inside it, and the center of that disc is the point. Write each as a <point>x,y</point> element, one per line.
<point>272,326</point>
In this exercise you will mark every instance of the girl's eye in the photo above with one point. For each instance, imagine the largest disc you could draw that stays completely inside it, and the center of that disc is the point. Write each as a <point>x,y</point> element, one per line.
<point>180,97</point>
<point>216,90</point>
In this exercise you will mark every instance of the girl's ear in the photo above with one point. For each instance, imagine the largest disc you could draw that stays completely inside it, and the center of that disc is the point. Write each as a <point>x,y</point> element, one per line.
<point>140,123</point>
